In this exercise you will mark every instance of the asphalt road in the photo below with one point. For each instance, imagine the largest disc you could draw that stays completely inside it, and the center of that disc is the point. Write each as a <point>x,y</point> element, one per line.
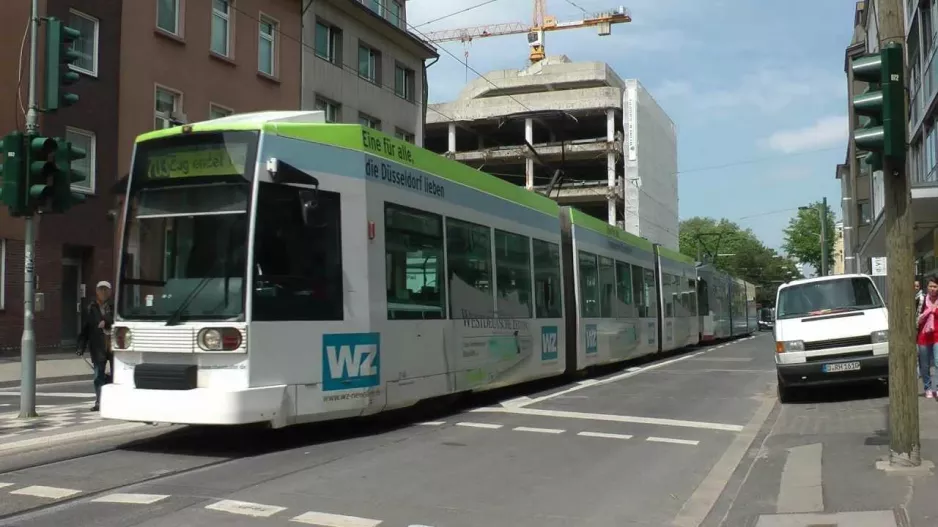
<point>48,395</point>
<point>649,446</point>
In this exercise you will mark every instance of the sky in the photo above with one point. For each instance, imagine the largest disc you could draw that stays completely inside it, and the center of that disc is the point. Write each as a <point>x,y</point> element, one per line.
<point>756,90</point>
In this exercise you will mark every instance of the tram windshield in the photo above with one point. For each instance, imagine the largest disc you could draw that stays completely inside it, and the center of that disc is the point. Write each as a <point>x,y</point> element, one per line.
<point>186,232</point>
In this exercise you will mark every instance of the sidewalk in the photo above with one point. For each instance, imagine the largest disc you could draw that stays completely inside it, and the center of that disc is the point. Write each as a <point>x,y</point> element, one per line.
<point>50,367</point>
<point>817,465</point>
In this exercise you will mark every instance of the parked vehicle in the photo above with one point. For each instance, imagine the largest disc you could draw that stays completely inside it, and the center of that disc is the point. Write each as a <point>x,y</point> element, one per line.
<point>830,329</point>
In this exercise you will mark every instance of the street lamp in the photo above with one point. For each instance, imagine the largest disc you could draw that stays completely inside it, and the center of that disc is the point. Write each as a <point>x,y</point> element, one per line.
<point>822,212</point>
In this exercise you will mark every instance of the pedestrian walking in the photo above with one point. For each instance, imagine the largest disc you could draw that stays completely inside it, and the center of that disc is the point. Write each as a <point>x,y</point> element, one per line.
<point>926,334</point>
<point>95,338</point>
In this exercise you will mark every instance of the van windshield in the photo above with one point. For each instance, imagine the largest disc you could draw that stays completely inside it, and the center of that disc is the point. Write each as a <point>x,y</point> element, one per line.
<point>828,296</point>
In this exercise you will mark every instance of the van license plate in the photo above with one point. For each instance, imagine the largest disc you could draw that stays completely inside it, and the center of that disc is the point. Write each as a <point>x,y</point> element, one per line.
<point>841,366</point>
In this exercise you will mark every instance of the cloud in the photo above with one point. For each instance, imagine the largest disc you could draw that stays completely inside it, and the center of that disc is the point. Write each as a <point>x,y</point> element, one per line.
<point>767,90</point>
<point>825,132</point>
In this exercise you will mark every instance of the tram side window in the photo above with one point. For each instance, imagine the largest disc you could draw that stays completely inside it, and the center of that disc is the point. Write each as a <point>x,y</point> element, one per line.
<point>638,291</point>
<point>414,259</point>
<point>651,299</point>
<point>297,263</point>
<point>513,274</point>
<point>469,254</point>
<point>547,279</point>
<point>624,307</point>
<point>589,286</point>
<point>692,298</point>
<point>704,295</point>
<point>607,286</point>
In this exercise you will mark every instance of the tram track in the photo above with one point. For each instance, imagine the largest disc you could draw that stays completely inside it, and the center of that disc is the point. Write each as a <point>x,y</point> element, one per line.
<point>200,448</point>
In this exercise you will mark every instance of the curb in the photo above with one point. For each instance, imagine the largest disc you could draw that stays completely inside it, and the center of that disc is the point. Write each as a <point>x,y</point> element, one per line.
<point>49,380</point>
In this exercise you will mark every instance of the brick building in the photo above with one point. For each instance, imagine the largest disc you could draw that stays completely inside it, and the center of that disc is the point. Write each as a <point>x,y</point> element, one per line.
<point>141,69</point>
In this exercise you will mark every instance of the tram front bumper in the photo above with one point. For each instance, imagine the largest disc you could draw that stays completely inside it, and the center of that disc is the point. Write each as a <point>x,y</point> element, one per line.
<point>199,406</point>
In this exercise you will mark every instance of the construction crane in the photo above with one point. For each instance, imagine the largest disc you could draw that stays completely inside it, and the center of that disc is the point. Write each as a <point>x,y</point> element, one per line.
<point>542,23</point>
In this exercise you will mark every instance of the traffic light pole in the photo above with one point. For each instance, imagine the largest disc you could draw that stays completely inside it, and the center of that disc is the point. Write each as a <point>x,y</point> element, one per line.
<point>28,342</point>
<point>825,256</point>
<point>904,433</point>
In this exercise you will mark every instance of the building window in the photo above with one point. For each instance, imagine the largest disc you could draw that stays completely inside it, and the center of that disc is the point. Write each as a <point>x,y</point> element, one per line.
<point>369,61</point>
<point>396,13</point>
<point>221,24</point>
<point>167,15</point>
<point>3,273</point>
<point>87,44</point>
<point>404,82</point>
<point>167,103</point>
<point>864,212</point>
<point>369,121</point>
<point>404,136</point>
<point>330,108</point>
<point>329,43</point>
<point>217,112</point>
<point>375,6</point>
<point>84,140</point>
<point>266,51</point>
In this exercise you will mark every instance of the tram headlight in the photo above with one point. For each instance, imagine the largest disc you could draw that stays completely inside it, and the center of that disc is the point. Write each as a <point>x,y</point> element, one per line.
<point>122,338</point>
<point>219,339</point>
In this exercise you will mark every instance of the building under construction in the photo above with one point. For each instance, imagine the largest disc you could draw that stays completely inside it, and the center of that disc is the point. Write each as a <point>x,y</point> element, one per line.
<point>613,146</point>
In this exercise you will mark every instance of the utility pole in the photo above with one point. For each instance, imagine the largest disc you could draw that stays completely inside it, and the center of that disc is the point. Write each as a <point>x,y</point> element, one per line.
<point>884,137</point>
<point>28,342</point>
<point>824,254</point>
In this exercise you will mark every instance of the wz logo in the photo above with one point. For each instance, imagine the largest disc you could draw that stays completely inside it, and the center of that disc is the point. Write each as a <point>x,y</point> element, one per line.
<point>549,345</point>
<point>350,361</point>
<point>592,339</point>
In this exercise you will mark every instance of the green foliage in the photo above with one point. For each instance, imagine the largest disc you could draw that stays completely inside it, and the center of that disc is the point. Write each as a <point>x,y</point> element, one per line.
<point>743,254</point>
<point>803,236</point>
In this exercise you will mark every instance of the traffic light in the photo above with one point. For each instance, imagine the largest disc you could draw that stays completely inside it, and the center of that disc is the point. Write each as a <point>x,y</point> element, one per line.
<point>41,154</point>
<point>63,198</point>
<point>59,55</point>
<point>13,174</point>
<point>882,104</point>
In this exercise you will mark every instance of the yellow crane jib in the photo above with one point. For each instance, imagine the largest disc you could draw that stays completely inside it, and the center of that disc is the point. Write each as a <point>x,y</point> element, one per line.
<point>535,31</point>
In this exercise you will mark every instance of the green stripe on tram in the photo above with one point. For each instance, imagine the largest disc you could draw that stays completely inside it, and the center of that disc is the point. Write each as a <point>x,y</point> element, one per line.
<point>581,219</point>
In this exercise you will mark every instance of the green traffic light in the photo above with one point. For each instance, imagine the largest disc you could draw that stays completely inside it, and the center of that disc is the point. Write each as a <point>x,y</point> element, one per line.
<point>882,103</point>
<point>12,193</point>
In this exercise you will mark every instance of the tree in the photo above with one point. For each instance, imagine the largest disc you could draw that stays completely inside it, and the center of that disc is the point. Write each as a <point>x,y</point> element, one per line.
<point>739,252</point>
<point>803,236</point>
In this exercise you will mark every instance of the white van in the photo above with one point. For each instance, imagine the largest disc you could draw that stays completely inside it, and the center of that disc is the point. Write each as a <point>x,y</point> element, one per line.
<point>830,329</point>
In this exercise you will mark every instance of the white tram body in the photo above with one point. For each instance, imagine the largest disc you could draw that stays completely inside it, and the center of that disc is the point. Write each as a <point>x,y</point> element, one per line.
<point>279,269</point>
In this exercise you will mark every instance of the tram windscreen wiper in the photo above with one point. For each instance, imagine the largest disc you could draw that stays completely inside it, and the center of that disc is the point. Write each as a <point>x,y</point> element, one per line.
<point>173,319</point>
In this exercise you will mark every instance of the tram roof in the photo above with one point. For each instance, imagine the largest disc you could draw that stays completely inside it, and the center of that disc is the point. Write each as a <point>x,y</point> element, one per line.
<point>311,126</point>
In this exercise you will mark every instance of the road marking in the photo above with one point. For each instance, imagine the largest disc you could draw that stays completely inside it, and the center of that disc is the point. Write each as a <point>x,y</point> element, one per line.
<point>517,401</point>
<point>539,430</point>
<point>432,423</point>
<point>133,499</point>
<point>801,487</point>
<point>479,425</point>
<point>5,485</point>
<point>631,372</point>
<point>40,491</point>
<point>61,438</point>
<point>55,394</point>
<point>246,508</point>
<point>614,418</point>
<point>698,506</point>
<point>672,441</point>
<point>334,520</point>
<point>605,435</point>
<point>726,359</point>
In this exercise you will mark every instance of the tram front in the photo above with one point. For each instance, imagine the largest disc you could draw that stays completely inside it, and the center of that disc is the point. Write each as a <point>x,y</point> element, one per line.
<point>180,330</point>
